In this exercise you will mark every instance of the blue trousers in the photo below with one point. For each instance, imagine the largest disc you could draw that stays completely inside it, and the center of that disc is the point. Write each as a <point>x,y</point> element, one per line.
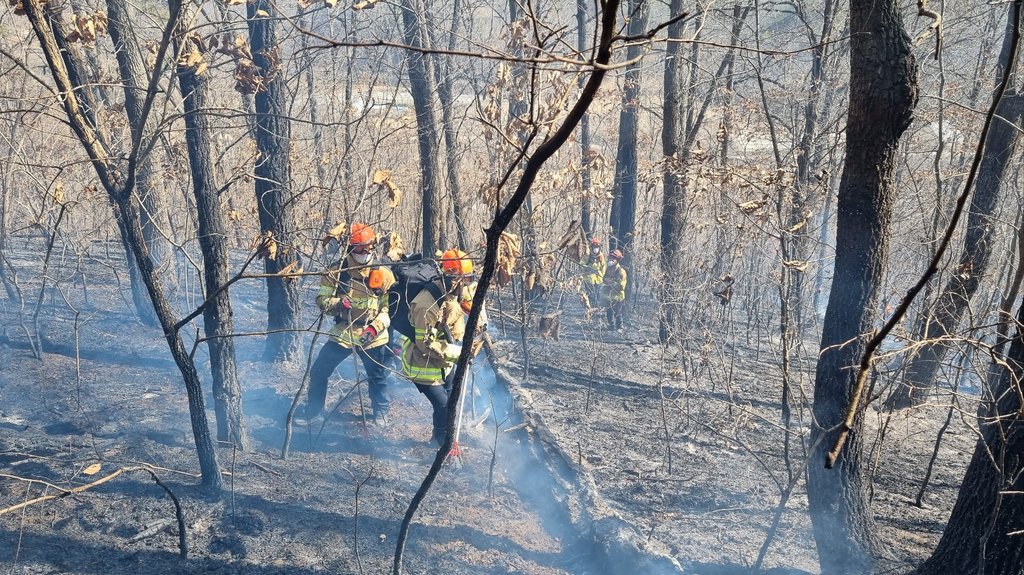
<point>330,357</point>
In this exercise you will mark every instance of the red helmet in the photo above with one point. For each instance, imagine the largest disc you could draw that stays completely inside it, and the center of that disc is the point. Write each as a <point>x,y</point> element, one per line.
<point>361,234</point>
<point>616,255</point>
<point>595,241</point>
<point>456,263</point>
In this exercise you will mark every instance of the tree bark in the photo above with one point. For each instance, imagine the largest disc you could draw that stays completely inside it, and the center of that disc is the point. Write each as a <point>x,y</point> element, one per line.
<point>623,219</point>
<point>134,79</point>
<point>273,181</point>
<point>127,214</point>
<point>586,209</point>
<point>217,314</point>
<point>75,67</point>
<point>445,85</point>
<point>979,538</point>
<point>972,266</point>
<point>422,88</point>
<point>673,207</point>
<point>883,93</point>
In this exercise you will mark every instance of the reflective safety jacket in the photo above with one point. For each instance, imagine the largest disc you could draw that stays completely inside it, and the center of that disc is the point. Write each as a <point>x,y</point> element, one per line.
<point>425,358</point>
<point>595,269</point>
<point>366,306</point>
<point>615,282</point>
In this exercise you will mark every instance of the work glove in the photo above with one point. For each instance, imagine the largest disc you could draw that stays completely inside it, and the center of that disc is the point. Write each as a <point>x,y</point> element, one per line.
<point>334,305</point>
<point>369,334</point>
<point>452,352</point>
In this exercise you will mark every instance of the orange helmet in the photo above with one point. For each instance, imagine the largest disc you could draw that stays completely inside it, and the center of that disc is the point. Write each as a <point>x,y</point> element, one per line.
<point>595,241</point>
<point>456,263</point>
<point>615,255</point>
<point>361,234</point>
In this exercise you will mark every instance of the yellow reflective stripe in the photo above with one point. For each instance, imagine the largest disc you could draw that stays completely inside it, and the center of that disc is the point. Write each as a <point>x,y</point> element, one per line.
<point>417,372</point>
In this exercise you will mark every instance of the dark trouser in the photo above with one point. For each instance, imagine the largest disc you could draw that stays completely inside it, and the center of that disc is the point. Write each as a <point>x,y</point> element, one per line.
<point>330,357</point>
<point>437,395</point>
<point>615,313</point>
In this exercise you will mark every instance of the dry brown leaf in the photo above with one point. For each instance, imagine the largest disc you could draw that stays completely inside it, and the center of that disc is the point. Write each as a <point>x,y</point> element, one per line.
<point>234,2</point>
<point>509,251</point>
<point>234,216</point>
<point>383,178</point>
<point>335,233</point>
<point>393,248</point>
<point>262,13</point>
<point>797,227</point>
<point>265,245</point>
<point>292,268</point>
<point>796,265</point>
<point>362,4</point>
<point>92,469</point>
<point>752,206</point>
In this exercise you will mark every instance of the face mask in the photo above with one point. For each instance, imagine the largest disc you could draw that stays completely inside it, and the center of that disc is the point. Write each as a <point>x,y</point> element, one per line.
<point>595,251</point>
<point>361,259</point>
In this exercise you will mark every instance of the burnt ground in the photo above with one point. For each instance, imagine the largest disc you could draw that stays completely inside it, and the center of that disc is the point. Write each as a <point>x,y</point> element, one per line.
<point>617,453</point>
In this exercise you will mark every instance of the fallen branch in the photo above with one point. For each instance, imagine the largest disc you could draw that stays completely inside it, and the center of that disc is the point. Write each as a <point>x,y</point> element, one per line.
<point>182,540</point>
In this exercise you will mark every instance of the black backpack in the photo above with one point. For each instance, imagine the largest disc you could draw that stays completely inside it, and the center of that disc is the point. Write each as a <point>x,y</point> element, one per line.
<point>412,275</point>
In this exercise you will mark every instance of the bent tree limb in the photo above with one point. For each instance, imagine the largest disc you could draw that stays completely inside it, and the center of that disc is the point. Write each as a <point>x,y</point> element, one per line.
<point>501,221</point>
<point>853,408</point>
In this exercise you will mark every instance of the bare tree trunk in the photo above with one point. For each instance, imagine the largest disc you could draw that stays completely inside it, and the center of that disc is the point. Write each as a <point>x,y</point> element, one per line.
<point>273,182</point>
<point>421,85</point>
<point>126,211</point>
<point>882,69</point>
<point>983,534</point>
<point>623,219</point>
<point>586,209</point>
<point>953,301</point>
<point>445,81</point>
<point>74,64</point>
<point>134,78</point>
<point>217,313</point>
<point>673,207</point>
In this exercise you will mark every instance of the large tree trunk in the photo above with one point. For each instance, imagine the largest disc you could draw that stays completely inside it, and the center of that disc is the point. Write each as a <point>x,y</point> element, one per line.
<point>883,93</point>
<point>421,85</point>
<point>972,266</point>
<point>217,314</point>
<point>980,536</point>
<point>673,206</point>
<point>273,180</point>
<point>127,213</point>
<point>623,219</point>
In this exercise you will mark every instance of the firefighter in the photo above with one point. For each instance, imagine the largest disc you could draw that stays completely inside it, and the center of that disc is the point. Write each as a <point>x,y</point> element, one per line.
<point>615,285</point>
<point>594,276</point>
<point>354,292</point>
<point>427,360</point>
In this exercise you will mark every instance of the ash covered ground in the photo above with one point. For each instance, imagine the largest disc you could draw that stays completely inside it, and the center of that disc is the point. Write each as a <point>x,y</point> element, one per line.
<point>583,454</point>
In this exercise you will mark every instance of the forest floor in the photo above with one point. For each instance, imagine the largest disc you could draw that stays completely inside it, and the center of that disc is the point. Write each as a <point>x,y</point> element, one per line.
<point>608,447</point>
